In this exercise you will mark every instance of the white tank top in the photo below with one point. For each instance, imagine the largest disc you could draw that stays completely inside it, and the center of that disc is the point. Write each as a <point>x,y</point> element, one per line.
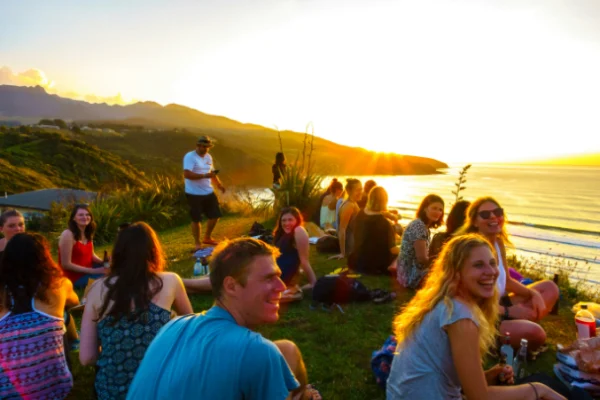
<point>501,281</point>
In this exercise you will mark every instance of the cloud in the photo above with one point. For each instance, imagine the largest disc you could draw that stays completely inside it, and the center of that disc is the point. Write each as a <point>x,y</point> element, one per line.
<point>37,77</point>
<point>31,77</point>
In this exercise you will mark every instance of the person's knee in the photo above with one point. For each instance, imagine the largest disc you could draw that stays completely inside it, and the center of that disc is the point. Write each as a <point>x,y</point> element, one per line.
<point>290,351</point>
<point>536,336</point>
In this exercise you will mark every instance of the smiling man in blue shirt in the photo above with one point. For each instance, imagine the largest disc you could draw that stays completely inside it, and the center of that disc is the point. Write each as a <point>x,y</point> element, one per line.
<point>216,354</point>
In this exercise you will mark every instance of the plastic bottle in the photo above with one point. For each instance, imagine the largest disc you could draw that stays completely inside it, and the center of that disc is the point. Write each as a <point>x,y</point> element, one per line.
<point>198,267</point>
<point>520,361</point>
<point>585,323</point>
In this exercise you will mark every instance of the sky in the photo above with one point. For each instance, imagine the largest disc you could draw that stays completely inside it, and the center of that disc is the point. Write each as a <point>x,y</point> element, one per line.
<point>460,81</point>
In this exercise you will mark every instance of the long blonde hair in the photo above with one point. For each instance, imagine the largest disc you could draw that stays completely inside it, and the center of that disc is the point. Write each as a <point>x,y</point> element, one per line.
<point>469,225</point>
<point>441,285</point>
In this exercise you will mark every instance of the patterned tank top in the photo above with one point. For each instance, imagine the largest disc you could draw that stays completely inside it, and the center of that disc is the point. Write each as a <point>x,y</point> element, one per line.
<point>123,347</point>
<point>32,356</point>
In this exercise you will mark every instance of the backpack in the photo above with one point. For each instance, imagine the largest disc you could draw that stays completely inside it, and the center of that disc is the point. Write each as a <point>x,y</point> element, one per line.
<point>328,244</point>
<point>339,289</point>
<point>381,361</point>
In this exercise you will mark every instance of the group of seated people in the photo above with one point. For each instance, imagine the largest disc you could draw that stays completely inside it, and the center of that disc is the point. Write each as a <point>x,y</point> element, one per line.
<point>130,302</point>
<point>139,352</point>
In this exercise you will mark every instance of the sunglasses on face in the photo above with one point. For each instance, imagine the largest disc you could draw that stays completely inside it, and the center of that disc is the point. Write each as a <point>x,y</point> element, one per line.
<point>498,212</point>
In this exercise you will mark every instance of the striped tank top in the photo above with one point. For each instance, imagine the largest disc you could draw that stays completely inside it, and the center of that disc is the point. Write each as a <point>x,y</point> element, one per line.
<point>32,356</point>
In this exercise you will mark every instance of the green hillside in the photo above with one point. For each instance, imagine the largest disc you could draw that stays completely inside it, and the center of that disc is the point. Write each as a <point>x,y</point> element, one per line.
<point>39,159</point>
<point>245,154</point>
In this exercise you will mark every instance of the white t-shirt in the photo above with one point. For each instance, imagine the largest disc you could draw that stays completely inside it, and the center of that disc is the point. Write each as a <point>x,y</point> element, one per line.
<point>198,165</point>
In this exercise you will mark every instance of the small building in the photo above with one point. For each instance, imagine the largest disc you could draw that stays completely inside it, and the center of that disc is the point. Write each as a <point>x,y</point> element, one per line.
<point>40,201</point>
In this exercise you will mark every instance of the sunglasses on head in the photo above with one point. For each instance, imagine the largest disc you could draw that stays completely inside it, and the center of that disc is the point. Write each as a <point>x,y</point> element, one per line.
<point>486,214</point>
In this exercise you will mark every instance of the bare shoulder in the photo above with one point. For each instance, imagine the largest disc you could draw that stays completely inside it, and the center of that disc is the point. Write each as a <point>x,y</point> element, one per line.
<point>169,278</point>
<point>66,234</point>
<point>300,231</point>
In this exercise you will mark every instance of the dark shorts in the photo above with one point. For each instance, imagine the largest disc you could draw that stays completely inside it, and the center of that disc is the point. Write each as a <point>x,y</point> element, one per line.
<point>203,204</point>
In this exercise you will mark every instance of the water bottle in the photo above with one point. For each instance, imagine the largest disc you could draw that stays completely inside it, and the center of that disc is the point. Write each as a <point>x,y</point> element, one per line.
<point>506,355</point>
<point>585,323</point>
<point>520,361</point>
<point>198,267</point>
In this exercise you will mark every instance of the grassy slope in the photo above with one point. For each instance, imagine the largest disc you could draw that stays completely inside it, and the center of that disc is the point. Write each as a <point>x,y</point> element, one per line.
<point>336,347</point>
<point>51,159</point>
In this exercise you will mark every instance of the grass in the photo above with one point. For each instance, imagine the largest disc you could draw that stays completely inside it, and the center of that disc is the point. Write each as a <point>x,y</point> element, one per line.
<point>336,347</point>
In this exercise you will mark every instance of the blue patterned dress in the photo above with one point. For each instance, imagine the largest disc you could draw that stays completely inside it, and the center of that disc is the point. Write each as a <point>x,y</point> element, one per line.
<point>32,356</point>
<point>123,347</point>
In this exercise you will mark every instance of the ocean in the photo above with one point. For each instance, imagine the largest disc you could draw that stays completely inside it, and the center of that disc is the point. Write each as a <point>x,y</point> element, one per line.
<point>553,212</point>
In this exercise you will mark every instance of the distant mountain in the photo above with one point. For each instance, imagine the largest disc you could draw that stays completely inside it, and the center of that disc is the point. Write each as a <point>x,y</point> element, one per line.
<point>156,138</point>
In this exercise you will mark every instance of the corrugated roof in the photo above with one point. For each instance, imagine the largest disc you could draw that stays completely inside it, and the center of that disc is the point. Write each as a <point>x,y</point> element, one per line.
<point>42,199</point>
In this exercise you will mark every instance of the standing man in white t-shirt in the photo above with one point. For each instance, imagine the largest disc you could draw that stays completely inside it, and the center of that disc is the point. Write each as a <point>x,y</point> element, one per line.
<point>200,176</point>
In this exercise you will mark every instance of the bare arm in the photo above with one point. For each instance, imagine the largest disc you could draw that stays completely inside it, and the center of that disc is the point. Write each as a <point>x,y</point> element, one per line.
<point>464,345</point>
<point>187,174</point>
<point>197,285</point>
<point>345,215</point>
<point>65,247</point>
<point>71,299</point>
<point>181,304</point>
<point>421,251</point>
<point>303,247</point>
<point>217,182</point>
<point>89,348</point>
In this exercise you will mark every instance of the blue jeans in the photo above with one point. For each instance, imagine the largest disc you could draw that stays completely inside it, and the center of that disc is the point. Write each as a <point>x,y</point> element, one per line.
<point>83,281</point>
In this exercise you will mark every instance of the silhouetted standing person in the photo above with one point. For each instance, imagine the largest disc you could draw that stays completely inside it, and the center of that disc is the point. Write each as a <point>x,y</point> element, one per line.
<point>200,177</point>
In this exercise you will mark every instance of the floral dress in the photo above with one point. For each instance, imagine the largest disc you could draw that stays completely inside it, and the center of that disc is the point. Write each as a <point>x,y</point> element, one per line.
<point>124,344</point>
<point>410,271</point>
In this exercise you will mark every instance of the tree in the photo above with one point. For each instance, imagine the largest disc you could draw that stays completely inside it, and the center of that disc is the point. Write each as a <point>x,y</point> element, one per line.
<point>76,129</point>
<point>60,123</point>
<point>46,122</point>
<point>24,129</point>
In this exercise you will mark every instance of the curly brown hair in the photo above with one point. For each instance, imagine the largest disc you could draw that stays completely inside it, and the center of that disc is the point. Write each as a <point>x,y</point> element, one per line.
<point>27,263</point>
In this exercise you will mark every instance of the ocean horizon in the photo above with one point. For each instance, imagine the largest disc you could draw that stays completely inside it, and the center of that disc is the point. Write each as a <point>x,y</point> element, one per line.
<point>553,211</point>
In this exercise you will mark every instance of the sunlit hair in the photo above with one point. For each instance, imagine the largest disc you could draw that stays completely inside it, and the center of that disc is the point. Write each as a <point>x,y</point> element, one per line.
<point>74,228</point>
<point>27,265</point>
<point>137,258</point>
<point>378,199</point>
<point>279,232</point>
<point>369,185</point>
<point>352,184</point>
<point>9,214</point>
<point>473,210</point>
<point>456,216</point>
<point>279,158</point>
<point>441,285</point>
<point>422,210</point>
<point>233,257</point>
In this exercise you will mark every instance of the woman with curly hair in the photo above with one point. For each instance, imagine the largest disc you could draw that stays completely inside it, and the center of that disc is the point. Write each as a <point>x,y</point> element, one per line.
<point>76,249</point>
<point>126,309</point>
<point>32,306</point>
<point>449,325</point>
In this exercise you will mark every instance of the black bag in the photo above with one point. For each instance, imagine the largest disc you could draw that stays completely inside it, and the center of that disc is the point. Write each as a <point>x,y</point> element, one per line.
<point>328,244</point>
<point>339,289</point>
<point>257,229</point>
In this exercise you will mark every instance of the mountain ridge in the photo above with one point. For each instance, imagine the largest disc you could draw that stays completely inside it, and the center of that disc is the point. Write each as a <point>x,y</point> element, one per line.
<point>174,129</point>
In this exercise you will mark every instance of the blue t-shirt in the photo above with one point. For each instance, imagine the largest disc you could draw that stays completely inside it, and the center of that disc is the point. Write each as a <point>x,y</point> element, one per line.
<point>210,356</point>
<point>423,367</point>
